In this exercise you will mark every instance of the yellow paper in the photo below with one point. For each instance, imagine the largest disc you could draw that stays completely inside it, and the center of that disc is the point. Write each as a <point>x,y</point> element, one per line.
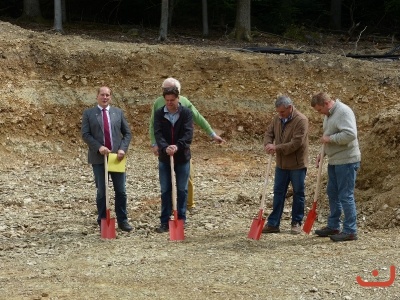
<point>115,165</point>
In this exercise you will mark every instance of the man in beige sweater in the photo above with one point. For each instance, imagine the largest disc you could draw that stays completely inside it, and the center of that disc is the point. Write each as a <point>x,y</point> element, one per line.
<point>344,156</point>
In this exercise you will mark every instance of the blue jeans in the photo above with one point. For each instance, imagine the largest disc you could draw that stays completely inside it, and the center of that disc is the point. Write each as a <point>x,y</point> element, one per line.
<point>340,190</point>
<point>118,180</point>
<point>281,184</point>
<point>182,171</point>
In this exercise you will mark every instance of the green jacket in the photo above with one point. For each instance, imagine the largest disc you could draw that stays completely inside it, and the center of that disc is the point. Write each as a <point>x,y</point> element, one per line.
<point>197,117</point>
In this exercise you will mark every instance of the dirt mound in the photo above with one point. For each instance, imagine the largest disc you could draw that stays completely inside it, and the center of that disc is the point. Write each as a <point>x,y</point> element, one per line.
<point>49,239</point>
<point>49,79</point>
<point>380,180</point>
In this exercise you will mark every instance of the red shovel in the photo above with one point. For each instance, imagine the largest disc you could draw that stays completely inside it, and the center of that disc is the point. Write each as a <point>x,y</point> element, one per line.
<point>107,225</point>
<point>258,224</point>
<point>312,214</point>
<point>176,227</point>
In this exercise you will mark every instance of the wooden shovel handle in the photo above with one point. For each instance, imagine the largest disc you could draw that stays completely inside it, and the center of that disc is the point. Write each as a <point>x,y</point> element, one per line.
<point>267,171</point>
<point>173,180</point>
<point>106,181</point>
<point>318,186</point>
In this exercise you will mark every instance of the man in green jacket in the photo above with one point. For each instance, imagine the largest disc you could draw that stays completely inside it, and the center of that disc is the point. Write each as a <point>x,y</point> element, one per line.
<point>197,118</point>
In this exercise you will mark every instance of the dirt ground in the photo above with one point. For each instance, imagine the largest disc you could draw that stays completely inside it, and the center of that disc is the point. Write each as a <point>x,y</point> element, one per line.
<point>50,245</point>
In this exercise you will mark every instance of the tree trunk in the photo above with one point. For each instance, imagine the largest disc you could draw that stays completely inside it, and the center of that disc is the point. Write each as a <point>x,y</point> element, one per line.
<point>171,5</point>
<point>164,21</point>
<point>205,17</point>
<point>336,14</point>
<point>242,30</point>
<point>64,11</point>
<point>58,16</point>
<point>31,10</point>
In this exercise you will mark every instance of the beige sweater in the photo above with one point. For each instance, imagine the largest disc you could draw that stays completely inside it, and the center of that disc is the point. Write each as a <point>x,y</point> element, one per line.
<point>341,127</point>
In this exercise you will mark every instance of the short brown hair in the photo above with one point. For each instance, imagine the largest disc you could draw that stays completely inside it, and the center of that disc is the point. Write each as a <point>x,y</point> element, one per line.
<point>320,99</point>
<point>171,91</point>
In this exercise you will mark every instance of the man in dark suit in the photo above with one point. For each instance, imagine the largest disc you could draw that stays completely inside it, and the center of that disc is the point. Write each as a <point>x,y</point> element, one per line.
<point>102,140</point>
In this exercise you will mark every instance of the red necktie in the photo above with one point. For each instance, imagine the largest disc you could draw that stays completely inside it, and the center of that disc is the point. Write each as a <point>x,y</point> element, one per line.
<point>107,136</point>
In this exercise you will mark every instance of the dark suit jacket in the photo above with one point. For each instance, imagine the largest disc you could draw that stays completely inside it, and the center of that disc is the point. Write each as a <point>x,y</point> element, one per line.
<point>92,132</point>
<point>180,134</point>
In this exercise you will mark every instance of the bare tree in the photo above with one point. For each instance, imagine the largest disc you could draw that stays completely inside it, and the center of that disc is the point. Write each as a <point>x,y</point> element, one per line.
<point>171,6</point>
<point>336,14</point>
<point>205,17</point>
<point>164,21</point>
<point>58,16</point>
<point>242,30</point>
<point>64,11</point>
<point>31,10</point>
<point>352,8</point>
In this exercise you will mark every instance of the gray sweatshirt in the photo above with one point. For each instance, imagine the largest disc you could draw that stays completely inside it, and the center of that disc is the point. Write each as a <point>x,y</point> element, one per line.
<point>341,127</point>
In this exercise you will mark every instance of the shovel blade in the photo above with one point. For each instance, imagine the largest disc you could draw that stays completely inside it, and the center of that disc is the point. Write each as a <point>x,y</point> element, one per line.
<point>256,228</point>
<point>176,230</point>
<point>312,215</point>
<point>107,228</point>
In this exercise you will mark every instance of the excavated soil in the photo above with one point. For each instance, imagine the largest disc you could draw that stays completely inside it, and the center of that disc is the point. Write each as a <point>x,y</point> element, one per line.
<point>49,240</point>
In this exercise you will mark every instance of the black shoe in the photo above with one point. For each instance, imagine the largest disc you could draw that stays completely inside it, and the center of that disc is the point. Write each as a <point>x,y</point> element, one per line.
<point>124,226</point>
<point>162,228</point>
<point>270,229</point>
<point>342,237</point>
<point>326,231</point>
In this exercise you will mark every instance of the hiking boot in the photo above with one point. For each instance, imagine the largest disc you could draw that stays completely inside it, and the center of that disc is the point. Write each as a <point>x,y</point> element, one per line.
<point>342,237</point>
<point>270,229</point>
<point>162,228</point>
<point>296,228</point>
<point>326,231</point>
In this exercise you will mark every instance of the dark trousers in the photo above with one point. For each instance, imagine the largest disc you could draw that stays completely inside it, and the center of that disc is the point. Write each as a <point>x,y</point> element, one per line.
<point>118,180</point>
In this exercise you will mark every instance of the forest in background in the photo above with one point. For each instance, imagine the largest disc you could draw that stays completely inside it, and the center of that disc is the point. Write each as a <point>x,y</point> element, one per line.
<point>283,17</point>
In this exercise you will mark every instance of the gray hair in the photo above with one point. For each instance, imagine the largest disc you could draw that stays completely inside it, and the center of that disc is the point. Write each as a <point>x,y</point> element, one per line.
<point>283,100</point>
<point>171,82</point>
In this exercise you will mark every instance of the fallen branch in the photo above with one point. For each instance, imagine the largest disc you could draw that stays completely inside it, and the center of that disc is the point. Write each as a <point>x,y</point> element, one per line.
<point>359,37</point>
<point>394,50</point>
